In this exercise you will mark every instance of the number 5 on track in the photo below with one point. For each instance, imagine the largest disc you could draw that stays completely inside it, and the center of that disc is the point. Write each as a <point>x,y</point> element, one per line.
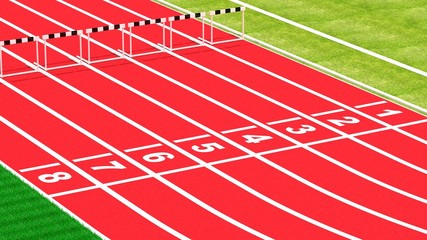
<point>207,147</point>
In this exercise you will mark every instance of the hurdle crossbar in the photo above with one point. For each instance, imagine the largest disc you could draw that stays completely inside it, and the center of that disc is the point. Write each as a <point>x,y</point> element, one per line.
<point>122,27</point>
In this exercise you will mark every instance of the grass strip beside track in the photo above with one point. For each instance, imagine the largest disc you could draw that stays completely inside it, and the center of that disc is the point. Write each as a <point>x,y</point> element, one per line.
<point>393,29</point>
<point>25,214</point>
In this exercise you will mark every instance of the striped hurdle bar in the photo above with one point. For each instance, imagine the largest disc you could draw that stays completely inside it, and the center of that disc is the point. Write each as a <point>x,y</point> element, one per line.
<point>141,23</point>
<point>122,27</point>
<point>105,28</point>
<point>14,42</point>
<point>225,11</point>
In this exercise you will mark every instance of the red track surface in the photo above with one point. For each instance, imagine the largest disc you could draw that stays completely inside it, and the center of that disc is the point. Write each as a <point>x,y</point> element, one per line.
<point>333,161</point>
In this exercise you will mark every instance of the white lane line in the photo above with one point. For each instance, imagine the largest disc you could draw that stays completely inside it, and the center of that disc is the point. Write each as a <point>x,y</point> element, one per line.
<point>274,49</point>
<point>371,104</point>
<point>192,138</point>
<point>39,167</point>
<point>318,141</point>
<point>308,89</point>
<point>52,200</point>
<point>327,113</point>
<point>74,191</point>
<point>134,179</point>
<point>284,121</point>
<point>120,198</point>
<point>238,129</point>
<point>278,133</point>
<point>236,145</point>
<point>290,82</point>
<point>92,157</point>
<point>137,126</point>
<point>334,39</point>
<point>229,178</point>
<point>143,147</point>
<point>184,169</point>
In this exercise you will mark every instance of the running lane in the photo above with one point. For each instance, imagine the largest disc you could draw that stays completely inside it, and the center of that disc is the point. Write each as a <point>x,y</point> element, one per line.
<point>184,76</point>
<point>82,105</point>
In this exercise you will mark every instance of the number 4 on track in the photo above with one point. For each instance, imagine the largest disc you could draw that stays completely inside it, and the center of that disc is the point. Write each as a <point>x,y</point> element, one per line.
<point>256,138</point>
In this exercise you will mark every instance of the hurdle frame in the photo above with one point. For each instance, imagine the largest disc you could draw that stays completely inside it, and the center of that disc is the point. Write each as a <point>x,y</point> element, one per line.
<point>86,33</point>
<point>221,12</point>
<point>5,43</point>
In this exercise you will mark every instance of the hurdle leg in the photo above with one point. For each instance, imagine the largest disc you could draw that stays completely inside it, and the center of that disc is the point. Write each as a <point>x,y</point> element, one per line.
<point>45,54</point>
<point>243,24</point>
<point>81,49</point>
<point>211,29</point>
<point>123,42</point>
<point>1,61</point>
<point>203,29</point>
<point>37,54</point>
<point>130,42</point>
<point>164,36</point>
<point>170,35</point>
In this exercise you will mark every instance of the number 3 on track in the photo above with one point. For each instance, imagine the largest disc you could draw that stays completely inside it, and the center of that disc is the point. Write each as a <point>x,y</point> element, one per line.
<point>54,177</point>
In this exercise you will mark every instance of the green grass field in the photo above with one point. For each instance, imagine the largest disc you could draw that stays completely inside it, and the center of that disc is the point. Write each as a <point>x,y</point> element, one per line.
<point>25,214</point>
<point>393,28</point>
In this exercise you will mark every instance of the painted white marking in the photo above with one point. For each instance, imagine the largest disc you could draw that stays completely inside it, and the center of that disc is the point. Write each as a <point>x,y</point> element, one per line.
<point>326,113</point>
<point>388,112</point>
<point>371,104</point>
<point>192,138</point>
<point>238,129</point>
<point>92,157</point>
<point>74,191</point>
<point>334,39</point>
<point>284,121</point>
<point>39,167</point>
<point>143,147</point>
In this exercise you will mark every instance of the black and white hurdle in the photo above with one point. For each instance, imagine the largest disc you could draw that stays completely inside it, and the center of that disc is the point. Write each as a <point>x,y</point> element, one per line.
<point>86,34</point>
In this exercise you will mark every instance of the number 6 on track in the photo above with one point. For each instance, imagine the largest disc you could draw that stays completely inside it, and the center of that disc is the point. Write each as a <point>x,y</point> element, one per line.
<point>158,157</point>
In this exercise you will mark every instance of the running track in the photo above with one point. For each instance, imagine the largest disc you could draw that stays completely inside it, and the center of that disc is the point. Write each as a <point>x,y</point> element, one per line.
<point>229,141</point>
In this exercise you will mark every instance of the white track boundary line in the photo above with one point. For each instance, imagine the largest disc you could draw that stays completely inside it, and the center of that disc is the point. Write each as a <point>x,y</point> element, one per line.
<point>309,64</point>
<point>227,177</point>
<point>334,39</point>
<point>248,151</point>
<point>279,103</point>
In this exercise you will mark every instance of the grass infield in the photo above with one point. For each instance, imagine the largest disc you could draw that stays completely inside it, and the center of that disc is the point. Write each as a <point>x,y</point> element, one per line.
<point>393,28</point>
<point>25,214</point>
